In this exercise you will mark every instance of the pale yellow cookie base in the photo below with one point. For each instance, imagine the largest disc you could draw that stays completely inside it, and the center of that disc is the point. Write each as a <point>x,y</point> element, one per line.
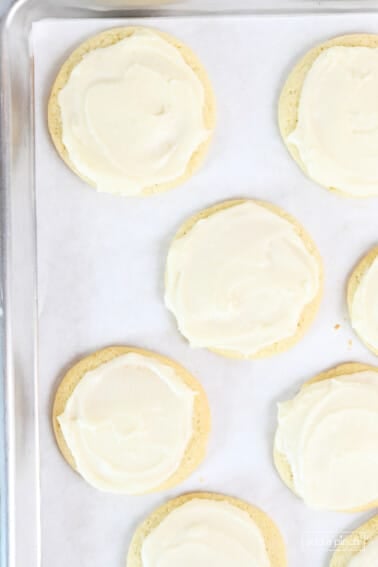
<point>290,96</point>
<point>281,463</point>
<point>196,450</point>
<point>354,282</point>
<point>354,543</point>
<point>310,310</point>
<point>274,543</point>
<point>105,39</point>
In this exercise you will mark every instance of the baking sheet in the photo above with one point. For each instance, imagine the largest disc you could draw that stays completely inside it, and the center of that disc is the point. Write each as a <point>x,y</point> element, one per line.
<point>100,272</point>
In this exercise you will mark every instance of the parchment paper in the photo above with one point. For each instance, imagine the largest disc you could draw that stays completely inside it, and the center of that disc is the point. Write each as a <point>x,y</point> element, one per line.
<point>101,261</point>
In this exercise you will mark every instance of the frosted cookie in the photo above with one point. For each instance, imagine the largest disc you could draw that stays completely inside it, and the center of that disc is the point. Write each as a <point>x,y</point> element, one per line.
<point>363,299</point>
<point>131,421</point>
<point>207,529</point>
<point>360,548</point>
<point>132,111</point>
<point>328,114</point>
<point>243,279</point>
<point>326,445</point>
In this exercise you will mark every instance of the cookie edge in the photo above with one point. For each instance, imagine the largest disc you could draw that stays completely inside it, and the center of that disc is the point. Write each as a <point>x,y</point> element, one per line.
<point>354,542</point>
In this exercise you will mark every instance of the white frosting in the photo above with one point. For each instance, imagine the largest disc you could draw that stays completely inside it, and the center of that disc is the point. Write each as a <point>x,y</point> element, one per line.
<point>367,557</point>
<point>128,424</point>
<point>132,114</point>
<point>329,436</point>
<point>202,533</point>
<point>364,307</point>
<point>337,129</point>
<point>240,279</point>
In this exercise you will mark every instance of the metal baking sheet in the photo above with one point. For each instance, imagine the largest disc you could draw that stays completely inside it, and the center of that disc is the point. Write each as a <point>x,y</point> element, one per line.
<point>97,279</point>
